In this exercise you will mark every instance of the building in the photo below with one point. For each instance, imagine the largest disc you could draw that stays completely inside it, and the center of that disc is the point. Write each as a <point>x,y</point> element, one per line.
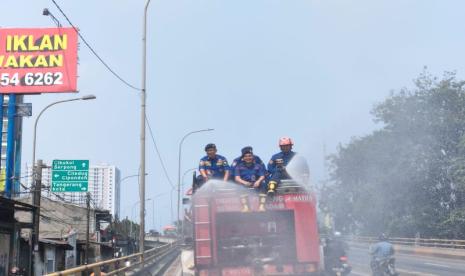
<point>13,251</point>
<point>104,188</point>
<point>62,237</point>
<point>18,113</point>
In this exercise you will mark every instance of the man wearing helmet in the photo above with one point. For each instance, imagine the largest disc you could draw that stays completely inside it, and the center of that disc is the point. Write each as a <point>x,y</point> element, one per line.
<point>213,166</point>
<point>278,163</point>
<point>334,249</point>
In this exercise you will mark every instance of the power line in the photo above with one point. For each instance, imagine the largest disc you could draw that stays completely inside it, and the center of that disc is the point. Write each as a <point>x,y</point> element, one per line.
<point>158,153</point>
<point>93,51</point>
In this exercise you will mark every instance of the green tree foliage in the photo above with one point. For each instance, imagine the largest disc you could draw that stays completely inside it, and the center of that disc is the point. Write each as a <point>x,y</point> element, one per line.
<point>125,228</point>
<point>409,176</point>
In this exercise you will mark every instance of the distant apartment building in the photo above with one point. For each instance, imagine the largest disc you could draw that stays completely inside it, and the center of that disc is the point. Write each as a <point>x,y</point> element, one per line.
<point>104,188</point>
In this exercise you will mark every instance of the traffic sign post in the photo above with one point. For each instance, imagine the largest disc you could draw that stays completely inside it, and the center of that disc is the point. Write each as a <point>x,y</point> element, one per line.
<point>70,175</point>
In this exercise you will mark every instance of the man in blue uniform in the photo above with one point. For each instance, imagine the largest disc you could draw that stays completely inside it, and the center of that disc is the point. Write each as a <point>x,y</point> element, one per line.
<point>250,174</point>
<point>278,163</point>
<point>213,166</point>
<point>239,159</point>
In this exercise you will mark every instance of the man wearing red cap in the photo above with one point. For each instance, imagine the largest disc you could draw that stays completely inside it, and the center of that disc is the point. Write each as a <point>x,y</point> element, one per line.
<point>278,163</point>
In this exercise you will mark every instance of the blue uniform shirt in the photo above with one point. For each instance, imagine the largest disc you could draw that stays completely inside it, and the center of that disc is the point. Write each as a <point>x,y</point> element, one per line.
<point>239,160</point>
<point>382,250</point>
<point>215,167</point>
<point>279,159</point>
<point>249,172</point>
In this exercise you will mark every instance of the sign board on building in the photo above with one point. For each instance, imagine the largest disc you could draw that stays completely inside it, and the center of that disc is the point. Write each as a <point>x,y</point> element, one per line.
<point>2,180</point>
<point>41,60</point>
<point>70,175</point>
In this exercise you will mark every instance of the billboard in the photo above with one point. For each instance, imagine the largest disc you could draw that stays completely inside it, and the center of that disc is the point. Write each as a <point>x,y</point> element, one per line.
<point>38,60</point>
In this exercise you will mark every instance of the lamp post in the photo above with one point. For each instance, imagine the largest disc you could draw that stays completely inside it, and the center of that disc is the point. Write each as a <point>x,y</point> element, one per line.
<point>37,181</point>
<point>129,176</point>
<point>179,162</point>
<point>84,98</point>
<point>184,175</point>
<point>132,214</point>
<point>153,208</point>
<point>182,188</point>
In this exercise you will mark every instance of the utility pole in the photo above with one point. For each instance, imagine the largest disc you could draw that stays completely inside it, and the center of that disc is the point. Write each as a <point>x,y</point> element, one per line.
<point>37,173</point>
<point>88,227</point>
<point>142,134</point>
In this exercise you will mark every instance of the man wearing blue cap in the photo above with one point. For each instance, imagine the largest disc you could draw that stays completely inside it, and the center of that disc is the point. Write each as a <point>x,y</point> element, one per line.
<point>213,166</point>
<point>239,159</point>
<point>251,175</point>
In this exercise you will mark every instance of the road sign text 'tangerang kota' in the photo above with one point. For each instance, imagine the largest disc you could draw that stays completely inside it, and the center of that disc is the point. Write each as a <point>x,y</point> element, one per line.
<point>38,60</point>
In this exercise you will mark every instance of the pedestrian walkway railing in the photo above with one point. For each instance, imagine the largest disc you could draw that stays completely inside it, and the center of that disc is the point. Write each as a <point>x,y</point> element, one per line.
<point>443,243</point>
<point>121,265</point>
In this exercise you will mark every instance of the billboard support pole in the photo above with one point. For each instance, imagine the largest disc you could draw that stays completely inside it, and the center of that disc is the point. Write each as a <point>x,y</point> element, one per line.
<point>18,138</point>
<point>10,145</point>
<point>2,100</point>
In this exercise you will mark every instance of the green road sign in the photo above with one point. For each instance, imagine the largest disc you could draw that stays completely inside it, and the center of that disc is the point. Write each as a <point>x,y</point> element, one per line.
<point>70,175</point>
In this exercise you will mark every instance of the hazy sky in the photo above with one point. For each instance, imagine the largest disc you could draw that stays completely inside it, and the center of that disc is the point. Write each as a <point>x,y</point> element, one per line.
<point>253,70</point>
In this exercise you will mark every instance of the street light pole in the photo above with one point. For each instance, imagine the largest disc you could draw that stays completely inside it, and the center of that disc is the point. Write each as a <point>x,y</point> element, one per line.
<point>182,189</point>
<point>132,215</point>
<point>179,163</point>
<point>88,97</point>
<point>184,175</point>
<point>37,182</point>
<point>142,134</point>
<point>129,176</point>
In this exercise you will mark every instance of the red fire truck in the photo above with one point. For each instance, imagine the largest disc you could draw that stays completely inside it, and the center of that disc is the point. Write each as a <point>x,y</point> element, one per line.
<point>283,240</point>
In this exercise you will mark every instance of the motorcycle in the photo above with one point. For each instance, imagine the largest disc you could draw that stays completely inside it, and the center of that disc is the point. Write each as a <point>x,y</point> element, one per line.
<point>384,267</point>
<point>15,271</point>
<point>341,268</point>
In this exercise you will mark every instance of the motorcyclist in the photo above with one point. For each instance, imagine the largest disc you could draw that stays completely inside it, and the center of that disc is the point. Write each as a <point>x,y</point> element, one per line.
<point>334,249</point>
<point>381,251</point>
<point>213,166</point>
<point>278,162</point>
<point>251,174</point>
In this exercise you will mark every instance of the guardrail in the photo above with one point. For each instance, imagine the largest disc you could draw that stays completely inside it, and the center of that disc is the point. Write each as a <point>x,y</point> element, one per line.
<point>119,265</point>
<point>443,243</point>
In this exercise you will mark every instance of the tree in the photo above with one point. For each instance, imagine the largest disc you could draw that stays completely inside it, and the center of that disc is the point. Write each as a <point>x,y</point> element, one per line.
<point>125,228</point>
<point>409,176</point>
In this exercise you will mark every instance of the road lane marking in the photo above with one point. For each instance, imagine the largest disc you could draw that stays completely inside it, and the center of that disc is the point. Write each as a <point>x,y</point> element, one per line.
<point>401,271</point>
<point>440,265</point>
<point>417,273</point>
<point>358,273</point>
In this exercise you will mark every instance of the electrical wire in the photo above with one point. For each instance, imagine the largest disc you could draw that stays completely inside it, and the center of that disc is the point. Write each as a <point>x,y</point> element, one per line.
<point>93,51</point>
<point>158,153</point>
<point>122,80</point>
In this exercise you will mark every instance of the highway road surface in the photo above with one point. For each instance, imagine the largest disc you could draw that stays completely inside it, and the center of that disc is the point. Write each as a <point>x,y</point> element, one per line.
<point>408,264</point>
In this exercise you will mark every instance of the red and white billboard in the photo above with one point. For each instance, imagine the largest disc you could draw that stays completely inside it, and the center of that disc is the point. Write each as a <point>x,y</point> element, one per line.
<point>38,60</point>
